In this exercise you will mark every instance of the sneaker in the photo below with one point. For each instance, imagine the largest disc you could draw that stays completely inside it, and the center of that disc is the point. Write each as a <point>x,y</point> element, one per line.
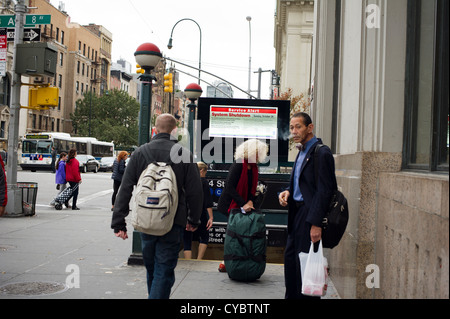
<point>75,208</point>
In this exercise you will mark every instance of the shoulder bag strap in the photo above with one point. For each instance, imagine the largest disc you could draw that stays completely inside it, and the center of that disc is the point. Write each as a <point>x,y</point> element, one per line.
<point>316,162</point>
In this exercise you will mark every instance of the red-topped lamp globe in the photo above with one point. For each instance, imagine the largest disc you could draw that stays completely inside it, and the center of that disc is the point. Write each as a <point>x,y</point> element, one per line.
<point>193,91</point>
<point>147,55</point>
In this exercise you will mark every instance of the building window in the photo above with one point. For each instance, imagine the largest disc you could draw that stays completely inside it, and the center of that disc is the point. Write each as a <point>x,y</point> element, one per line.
<point>61,58</point>
<point>60,81</point>
<point>3,129</point>
<point>5,90</point>
<point>62,37</point>
<point>426,144</point>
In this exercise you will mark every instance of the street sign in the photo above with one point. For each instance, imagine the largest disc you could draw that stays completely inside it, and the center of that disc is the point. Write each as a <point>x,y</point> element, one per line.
<point>29,34</point>
<point>3,54</point>
<point>33,19</point>
<point>9,20</point>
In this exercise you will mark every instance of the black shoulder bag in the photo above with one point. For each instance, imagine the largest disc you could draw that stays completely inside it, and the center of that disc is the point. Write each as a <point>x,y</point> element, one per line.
<point>336,218</point>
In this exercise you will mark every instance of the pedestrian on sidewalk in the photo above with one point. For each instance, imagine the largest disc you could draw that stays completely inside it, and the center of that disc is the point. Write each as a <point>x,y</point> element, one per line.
<point>60,176</point>
<point>206,220</point>
<point>73,176</point>
<point>242,179</point>
<point>307,201</point>
<point>54,152</point>
<point>117,174</point>
<point>160,253</point>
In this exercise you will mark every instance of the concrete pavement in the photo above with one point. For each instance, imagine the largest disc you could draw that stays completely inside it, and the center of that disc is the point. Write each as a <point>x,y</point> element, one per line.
<point>74,255</point>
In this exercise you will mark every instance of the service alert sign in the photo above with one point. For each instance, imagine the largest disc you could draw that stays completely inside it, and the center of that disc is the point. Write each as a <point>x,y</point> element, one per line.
<point>243,122</point>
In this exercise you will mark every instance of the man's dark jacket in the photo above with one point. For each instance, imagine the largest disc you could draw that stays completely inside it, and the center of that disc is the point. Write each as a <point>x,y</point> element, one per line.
<point>316,197</point>
<point>189,184</point>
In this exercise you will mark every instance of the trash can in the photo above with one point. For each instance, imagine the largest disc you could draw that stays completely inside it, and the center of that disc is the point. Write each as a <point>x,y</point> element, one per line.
<point>29,194</point>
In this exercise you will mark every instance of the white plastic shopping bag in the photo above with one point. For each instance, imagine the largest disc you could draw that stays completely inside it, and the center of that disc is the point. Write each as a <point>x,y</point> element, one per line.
<point>314,276</point>
<point>303,259</point>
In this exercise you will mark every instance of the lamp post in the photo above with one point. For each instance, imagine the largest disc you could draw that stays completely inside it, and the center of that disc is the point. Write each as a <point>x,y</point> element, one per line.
<point>169,45</point>
<point>193,92</point>
<point>249,19</point>
<point>147,56</point>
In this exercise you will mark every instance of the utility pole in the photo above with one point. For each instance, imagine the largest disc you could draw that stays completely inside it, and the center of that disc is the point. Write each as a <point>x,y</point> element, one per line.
<point>14,206</point>
<point>259,80</point>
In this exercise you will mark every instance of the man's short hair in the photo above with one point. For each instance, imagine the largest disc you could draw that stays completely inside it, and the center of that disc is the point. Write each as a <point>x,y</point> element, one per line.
<point>306,118</point>
<point>165,123</point>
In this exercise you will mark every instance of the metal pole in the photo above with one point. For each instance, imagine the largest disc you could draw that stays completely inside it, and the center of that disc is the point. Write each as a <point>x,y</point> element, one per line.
<point>146,106</point>
<point>192,110</point>
<point>249,19</point>
<point>14,206</point>
<point>200,50</point>
<point>259,83</point>
<point>222,79</point>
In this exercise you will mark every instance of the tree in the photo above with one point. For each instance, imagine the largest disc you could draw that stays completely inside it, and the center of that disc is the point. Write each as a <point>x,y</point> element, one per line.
<point>113,117</point>
<point>299,103</point>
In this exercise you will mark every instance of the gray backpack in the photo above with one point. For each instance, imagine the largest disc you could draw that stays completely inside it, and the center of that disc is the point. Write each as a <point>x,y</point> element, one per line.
<point>155,200</point>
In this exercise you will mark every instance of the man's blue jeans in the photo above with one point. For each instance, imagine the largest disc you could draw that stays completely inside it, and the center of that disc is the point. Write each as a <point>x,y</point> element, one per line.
<point>160,254</point>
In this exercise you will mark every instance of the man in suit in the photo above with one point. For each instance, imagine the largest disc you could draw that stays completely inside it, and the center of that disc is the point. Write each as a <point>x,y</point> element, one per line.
<point>307,200</point>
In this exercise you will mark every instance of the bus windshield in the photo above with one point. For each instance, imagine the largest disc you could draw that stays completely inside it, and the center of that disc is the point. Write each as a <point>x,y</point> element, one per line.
<point>39,147</point>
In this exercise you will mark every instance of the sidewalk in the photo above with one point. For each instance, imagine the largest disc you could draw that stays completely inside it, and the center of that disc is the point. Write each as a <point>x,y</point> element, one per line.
<point>41,257</point>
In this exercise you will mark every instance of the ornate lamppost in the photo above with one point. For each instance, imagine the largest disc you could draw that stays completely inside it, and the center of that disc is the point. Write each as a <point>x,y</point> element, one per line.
<point>147,56</point>
<point>192,91</point>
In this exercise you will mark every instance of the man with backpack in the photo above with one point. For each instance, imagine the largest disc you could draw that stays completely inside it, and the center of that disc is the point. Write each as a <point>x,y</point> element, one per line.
<point>308,197</point>
<point>160,252</point>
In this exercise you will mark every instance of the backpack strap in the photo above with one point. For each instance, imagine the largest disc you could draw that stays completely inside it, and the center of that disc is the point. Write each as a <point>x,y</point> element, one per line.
<point>146,153</point>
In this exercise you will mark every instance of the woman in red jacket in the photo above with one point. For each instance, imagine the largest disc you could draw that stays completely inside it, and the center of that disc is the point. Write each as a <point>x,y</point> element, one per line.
<point>73,175</point>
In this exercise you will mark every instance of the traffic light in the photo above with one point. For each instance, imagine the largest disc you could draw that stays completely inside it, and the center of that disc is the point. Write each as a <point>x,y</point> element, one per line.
<point>168,82</point>
<point>139,69</point>
<point>42,98</point>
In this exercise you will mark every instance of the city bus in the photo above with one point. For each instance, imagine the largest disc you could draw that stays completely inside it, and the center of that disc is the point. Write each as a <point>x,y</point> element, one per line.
<point>96,148</point>
<point>37,148</point>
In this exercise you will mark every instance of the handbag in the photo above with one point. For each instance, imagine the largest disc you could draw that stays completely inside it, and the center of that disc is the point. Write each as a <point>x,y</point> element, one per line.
<point>336,218</point>
<point>314,274</point>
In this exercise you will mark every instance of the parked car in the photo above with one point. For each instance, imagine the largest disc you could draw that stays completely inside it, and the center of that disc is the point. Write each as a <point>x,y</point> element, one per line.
<point>88,163</point>
<point>106,164</point>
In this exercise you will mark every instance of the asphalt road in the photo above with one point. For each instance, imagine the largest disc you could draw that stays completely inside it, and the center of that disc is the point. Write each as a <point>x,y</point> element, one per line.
<point>94,193</point>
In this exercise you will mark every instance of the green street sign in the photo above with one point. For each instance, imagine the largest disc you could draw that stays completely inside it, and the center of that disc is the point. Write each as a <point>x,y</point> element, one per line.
<point>9,20</point>
<point>32,19</point>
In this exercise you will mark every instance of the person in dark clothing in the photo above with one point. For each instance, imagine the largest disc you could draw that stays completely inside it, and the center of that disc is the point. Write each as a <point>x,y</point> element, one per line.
<point>117,174</point>
<point>242,179</point>
<point>160,253</point>
<point>307,200</point>
<point>54,153</point>
<point>206,219</point>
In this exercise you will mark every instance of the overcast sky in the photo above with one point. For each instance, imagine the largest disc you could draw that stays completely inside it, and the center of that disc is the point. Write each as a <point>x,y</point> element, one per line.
<point>225,34</point>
